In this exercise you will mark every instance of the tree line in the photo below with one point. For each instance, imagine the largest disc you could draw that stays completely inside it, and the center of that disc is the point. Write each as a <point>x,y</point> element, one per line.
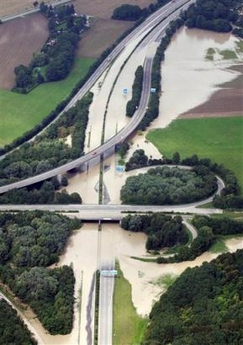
<point>54,113</point>
<point>12,329</point>
<point>46,192</point>
<point>137,88</point>
<point>162,230</point>
<point>203,306</point>
<point>29,242</point>
<point>56,57</point>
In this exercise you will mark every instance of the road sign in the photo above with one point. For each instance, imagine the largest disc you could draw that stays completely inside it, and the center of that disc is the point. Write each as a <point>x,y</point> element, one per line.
<point>108,273</point>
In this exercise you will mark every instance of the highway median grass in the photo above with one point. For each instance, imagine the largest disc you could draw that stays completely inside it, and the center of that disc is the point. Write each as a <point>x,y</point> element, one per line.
<point>20,113</point>
<point>128,326</point>
<point>217,138</point>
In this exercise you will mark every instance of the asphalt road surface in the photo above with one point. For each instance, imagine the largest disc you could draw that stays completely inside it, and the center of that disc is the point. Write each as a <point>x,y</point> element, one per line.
<point>151,22</point>
<point>106,306</point>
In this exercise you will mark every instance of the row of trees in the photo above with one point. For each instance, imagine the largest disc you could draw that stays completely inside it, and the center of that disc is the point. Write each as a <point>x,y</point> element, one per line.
<point>29,242</point>
<point>58,53</point>
<point>42,193</point>
<point>162,230</point>
<point>12,328</point>
<point>203,306</point>
<point>54,113</point>
<point>153,106</point>
<point>168,185</point>
<point>137,88</point>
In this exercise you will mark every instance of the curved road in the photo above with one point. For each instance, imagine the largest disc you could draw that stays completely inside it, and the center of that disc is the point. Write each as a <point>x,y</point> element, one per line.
<point>143,29</point>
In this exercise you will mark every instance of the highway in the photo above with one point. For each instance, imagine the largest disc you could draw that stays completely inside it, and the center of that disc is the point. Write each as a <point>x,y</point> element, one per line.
<point>141,31</point>
<point>106,305</point>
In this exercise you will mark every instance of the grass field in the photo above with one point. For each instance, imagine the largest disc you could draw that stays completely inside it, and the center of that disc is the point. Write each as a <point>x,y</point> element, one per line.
<point>128,327</point>
<point>217,138</point>
<point>20,113</point>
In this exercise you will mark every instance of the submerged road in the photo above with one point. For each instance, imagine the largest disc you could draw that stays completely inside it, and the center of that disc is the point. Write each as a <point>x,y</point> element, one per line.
<point>142,30</point>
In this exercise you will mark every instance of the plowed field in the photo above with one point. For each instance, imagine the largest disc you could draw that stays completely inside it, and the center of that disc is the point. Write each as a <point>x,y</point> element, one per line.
<point>19,40</point>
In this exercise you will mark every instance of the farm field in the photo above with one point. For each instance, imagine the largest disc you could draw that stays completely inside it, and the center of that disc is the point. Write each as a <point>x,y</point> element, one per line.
<point>19,39</point>
<point>20,113</point>
<point>217,138</point>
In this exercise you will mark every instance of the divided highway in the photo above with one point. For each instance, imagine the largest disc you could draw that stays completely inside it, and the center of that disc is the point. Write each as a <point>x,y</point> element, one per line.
<point>141,32</point>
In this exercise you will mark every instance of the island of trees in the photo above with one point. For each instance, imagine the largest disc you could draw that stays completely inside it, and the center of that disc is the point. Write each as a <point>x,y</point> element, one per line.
<point>169,185</point>
<point>29,242</point>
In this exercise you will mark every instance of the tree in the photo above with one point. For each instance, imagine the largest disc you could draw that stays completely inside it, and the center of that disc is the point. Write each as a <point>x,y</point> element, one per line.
<point>127,12</point>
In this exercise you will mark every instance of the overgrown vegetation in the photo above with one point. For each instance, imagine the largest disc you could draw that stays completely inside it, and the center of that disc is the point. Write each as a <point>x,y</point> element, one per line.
<point>169,185</point>
<point>12,329</point>
<point>204,306</point>
<point>30,241</point>
<point>162,230</point>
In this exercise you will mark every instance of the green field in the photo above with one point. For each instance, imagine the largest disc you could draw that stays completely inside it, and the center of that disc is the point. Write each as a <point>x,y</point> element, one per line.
<point>20,113</point>
<point>128,327</point>
<point>220,139</point>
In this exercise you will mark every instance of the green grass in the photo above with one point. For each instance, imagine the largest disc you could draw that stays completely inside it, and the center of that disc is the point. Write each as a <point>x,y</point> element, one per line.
<point>165,281</point>
<point>128,327</point>
<point>228,54</point>
<point>210,54</point>
<point>219,247</point>
<point>20,113</point>
<point>217,138</point>
<point>239,46</point>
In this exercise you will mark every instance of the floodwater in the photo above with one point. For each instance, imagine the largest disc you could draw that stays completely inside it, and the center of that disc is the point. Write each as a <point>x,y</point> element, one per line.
<point>188,78</point>
<point>88,248</point>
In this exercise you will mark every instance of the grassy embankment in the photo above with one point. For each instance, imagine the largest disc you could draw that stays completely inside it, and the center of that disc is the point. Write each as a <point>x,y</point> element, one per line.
<point>217,138</point>
<point>20,113</point>
<point>128,327</point>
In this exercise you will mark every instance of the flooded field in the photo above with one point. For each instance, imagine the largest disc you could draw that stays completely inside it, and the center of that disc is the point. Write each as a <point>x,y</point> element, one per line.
<point>190,75</point>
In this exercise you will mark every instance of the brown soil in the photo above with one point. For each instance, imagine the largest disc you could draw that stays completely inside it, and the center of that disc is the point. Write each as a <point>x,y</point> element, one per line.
<point>104,8</point>
<point>11,7</point>
<point>101,35</point>
<point>22,37</point>
<point>14,6</point>
<point>19,39</point>
<point>228,101</point>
